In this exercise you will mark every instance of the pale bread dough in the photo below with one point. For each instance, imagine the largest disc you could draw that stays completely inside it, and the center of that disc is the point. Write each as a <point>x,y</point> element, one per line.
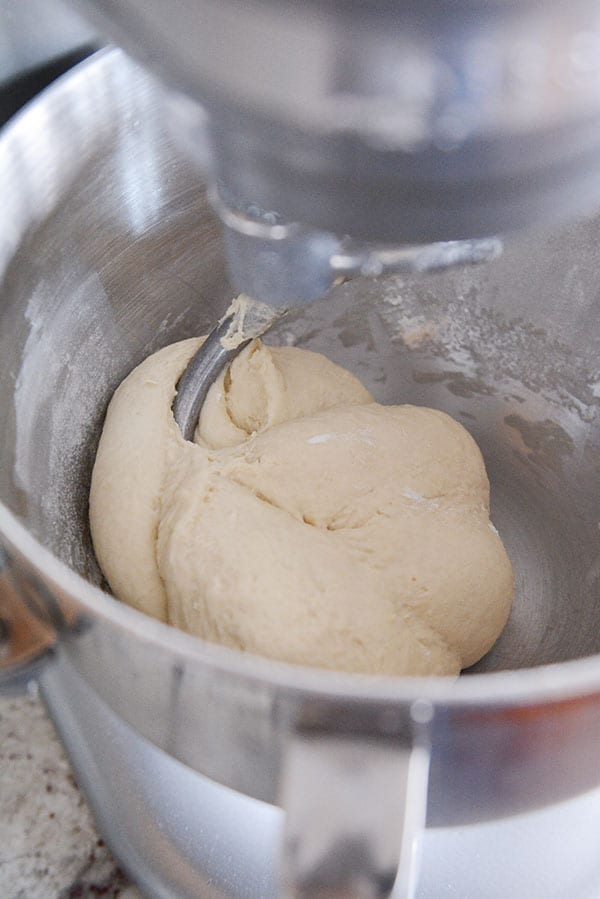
<point>306,523</point>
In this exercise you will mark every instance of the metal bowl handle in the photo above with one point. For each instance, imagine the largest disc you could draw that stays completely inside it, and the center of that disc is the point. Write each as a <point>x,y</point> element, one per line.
<point>355,804</point>
<point>27,633</point>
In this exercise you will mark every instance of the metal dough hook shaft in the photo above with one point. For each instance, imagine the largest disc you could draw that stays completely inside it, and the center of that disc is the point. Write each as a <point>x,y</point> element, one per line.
<point>245,320</point>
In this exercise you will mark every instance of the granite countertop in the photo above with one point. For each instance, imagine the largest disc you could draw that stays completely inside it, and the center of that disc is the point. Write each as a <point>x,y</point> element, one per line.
<point>49,847</point>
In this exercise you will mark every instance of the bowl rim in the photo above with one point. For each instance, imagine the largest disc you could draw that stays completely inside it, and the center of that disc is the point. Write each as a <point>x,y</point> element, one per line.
<point>549,683</point>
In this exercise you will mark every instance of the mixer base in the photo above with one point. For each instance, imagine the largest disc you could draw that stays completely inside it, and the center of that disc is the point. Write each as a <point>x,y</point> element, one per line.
<point>181,836</point>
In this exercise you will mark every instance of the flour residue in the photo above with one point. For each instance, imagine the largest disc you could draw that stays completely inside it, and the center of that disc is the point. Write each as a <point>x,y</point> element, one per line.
<point>249,319</point>
<point>362,435</point>
<point>321,438</point>
<point>71,361</point>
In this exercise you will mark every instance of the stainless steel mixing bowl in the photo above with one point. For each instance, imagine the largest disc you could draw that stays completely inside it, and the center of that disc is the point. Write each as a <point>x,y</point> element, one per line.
<point>109,250</point>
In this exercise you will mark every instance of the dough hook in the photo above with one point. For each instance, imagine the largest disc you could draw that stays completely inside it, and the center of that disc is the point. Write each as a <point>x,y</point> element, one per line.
<point>244,320</point>
<point>247,318</point>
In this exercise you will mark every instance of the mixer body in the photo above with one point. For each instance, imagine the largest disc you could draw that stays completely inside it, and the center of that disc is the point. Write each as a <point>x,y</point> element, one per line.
<point>109,250</point>
<point>394,123</point>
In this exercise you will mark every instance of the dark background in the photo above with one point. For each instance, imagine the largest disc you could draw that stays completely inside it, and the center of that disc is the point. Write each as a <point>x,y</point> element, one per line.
<point>15,92</point>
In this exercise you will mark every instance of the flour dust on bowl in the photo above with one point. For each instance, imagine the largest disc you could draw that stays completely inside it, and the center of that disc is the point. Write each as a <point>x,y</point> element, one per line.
<point>204,765</point>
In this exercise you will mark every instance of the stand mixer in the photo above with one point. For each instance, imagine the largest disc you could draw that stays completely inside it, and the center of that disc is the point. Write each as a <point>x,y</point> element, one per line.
<point>345,140</point>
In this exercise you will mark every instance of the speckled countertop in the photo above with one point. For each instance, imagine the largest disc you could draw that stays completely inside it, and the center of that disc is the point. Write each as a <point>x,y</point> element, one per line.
<point>49,847</point>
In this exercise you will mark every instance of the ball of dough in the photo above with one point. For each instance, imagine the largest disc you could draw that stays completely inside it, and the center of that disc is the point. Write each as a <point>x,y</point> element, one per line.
<point>305,523</point>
